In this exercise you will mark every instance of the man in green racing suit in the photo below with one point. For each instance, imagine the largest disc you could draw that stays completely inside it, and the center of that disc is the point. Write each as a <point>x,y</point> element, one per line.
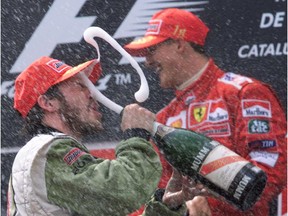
<point>54,174</point>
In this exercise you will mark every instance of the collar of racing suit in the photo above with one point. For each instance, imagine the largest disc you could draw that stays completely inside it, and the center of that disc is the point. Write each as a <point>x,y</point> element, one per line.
<point>47,130</point>
<point>193,78</point>
<point>210,74</point>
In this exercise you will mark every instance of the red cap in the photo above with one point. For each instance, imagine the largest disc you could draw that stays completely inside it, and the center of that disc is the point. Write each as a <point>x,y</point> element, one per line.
<point>44,73</point>
<point>170,23</point>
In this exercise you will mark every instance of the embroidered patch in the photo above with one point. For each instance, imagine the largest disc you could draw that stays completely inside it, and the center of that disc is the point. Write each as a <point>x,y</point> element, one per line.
<point>189,99</point>
<point>178,121</point>
<point>57,65</point>
<point>215,130</point>
<point>199,113</point>
<point>234,79</point>
<point>73,156</point>
<point>217,114</point>
<point>154,27</point>
<point>256,126</point>
<point>256,108</point>
<point>267,158</point>
<point>214,111</point>
<point>262,144</point>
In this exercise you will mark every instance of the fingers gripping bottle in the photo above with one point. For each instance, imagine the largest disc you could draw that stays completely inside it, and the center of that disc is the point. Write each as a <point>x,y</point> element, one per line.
<point>221,170</point>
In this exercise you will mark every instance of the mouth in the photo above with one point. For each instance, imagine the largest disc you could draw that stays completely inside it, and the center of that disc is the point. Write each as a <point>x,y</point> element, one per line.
<point>94,107</point>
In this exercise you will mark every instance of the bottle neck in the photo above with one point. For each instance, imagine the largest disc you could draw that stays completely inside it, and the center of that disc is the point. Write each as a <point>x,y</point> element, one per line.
<point>155,127</point>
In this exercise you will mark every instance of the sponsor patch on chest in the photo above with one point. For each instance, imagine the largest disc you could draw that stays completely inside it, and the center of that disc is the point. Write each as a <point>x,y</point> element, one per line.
<point>214,111</point>
<point>210,117</point>
<point>217,130</point>
<point>178,121</point>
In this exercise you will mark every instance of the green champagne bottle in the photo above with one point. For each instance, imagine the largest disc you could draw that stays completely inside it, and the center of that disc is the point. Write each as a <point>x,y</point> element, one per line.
<point>221,170</point>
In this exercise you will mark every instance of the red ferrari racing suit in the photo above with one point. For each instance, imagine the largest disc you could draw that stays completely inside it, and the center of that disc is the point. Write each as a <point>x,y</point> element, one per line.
<point>244,115</point>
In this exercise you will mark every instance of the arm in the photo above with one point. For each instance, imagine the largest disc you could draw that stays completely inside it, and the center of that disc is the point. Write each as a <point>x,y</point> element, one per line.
<point>173,196</point>
<point>261,138</point>
<point>91,186</point>
<point>259,119</point>
<point>181,189</point>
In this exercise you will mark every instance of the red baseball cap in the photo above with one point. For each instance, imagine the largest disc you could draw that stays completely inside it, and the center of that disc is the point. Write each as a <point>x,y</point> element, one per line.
<point>43,73</point>
<point>169,23</point>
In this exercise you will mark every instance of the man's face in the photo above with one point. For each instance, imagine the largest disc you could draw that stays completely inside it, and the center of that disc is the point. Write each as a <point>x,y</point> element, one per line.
<point>78,109</point>
<point>163,59</point>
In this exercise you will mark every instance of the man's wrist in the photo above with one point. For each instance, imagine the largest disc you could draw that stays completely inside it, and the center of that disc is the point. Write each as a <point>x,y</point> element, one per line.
<point>136,132</point>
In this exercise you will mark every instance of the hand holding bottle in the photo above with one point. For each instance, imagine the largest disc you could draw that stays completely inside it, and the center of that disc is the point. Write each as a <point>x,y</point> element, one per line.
<point>221,170</point>
<point>181,189</point>
<point>191,188</point>
<point>135,116</point>
<point>198,206</point>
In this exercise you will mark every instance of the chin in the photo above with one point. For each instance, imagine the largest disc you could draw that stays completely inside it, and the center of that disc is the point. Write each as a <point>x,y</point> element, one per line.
<point>96,124</point>
<point>91,128</point>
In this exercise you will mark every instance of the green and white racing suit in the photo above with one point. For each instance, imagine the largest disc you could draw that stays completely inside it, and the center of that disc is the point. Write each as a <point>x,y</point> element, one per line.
<point>53,174</point>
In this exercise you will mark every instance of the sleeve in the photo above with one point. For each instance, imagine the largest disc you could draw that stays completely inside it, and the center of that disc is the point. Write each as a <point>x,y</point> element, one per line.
<point>92,186</point>
<point>260,137</point>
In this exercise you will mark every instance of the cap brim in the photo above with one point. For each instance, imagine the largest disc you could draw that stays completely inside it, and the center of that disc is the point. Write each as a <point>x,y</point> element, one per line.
<point>139,46</point>
<point>91,68</point>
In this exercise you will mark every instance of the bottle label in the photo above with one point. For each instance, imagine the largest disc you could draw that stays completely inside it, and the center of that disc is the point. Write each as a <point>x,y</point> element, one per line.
<point>202,154</point>
<point>221,166</point>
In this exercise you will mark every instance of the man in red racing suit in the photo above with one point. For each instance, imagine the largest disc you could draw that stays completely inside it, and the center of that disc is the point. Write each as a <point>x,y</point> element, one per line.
<point>242,114</point>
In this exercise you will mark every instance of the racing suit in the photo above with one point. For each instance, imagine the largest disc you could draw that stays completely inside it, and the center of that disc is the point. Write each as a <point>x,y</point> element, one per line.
<point>53,174</point>
<point>244,115</point>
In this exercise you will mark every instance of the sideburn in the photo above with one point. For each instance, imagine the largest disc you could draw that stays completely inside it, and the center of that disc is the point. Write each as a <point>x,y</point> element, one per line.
<point>72,120</point>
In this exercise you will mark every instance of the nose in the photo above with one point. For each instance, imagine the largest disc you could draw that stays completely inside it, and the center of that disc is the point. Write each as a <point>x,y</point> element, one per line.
<point>92,100</point>
<point>87,93</point>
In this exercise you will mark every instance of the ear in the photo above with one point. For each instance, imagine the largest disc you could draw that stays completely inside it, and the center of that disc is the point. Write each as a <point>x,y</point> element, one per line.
<point>50,105</point>
<point>181,44</point>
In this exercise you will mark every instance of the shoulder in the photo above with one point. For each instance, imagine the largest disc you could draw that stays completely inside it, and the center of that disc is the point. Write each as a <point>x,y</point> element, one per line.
<point>231,84</point>
<point>232,80</point>
<point>62,144</point>
<point>44,143</point>
<point>35,144</point>
<point>48,139</point>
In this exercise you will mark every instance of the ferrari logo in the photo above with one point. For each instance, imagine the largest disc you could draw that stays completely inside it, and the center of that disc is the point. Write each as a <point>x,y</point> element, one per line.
<point>199,113</point>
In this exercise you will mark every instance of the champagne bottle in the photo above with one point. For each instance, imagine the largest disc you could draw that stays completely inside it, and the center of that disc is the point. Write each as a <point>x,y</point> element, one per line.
<point>221,170</point>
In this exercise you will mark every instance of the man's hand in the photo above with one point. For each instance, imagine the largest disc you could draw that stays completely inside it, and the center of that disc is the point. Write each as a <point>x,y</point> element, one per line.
<point>181,189</point>
<point>191,188</point>
<point>198,206</point>
<point>135,116</point>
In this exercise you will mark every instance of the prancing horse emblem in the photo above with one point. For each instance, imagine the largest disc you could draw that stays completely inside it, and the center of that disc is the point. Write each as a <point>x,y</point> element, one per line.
<point>199,113</point>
